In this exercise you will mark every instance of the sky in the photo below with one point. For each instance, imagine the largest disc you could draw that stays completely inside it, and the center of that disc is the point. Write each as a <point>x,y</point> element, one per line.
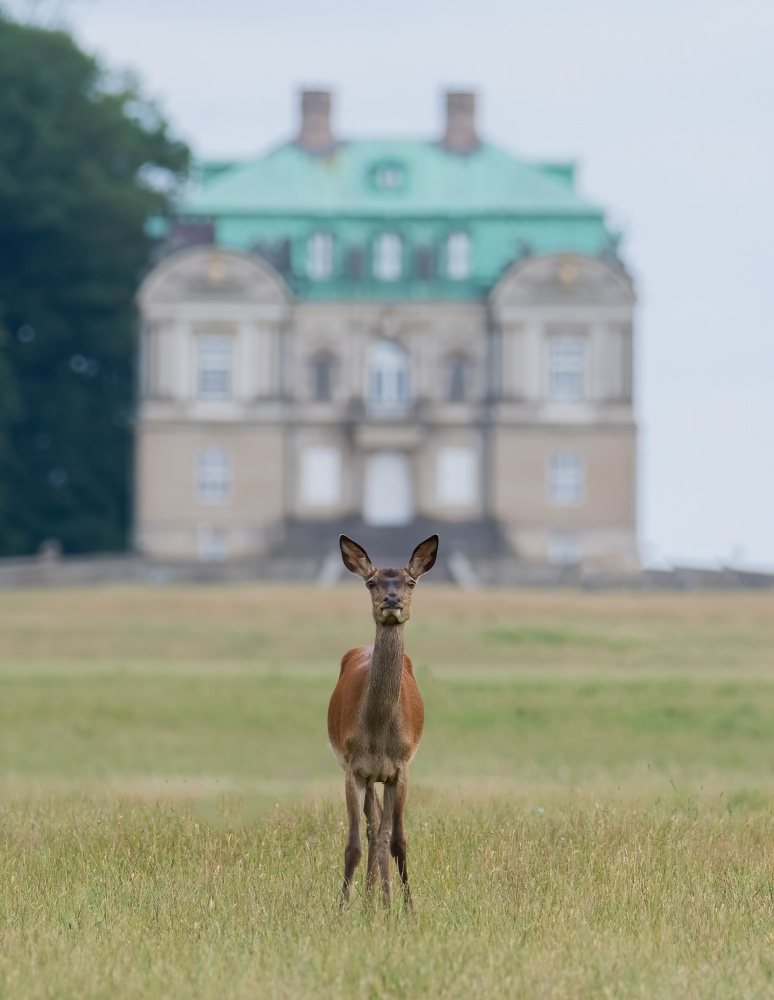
<point>666,106</point>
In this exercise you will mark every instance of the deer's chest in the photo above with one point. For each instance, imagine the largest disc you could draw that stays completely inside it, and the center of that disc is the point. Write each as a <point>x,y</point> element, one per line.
<point>379,754</point>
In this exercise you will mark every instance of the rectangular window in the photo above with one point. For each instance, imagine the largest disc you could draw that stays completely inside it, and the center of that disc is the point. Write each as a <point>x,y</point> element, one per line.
<point>388,257</point>
<point>319,256</point>
<point>566,479</point>
<point>457,477</point>
<point>213,476</point>
<point>214,366</point>
<point>566,369</point>
<point>458,256</point>
<point>320,484</point>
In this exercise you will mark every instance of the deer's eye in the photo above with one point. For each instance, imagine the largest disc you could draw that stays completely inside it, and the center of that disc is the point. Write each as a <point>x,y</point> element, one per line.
<point>371,584</point>
<point>412,583</point>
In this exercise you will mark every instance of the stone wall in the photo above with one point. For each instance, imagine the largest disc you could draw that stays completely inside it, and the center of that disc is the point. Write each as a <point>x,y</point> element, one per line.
<point>89,571</point>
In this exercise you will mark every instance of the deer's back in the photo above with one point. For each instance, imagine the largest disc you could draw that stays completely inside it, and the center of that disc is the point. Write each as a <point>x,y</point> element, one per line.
<point>344,719</point>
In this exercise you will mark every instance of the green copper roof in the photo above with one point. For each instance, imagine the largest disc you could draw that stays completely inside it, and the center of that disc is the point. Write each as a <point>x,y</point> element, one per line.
<point>507,207</point>
<point>433,182</point>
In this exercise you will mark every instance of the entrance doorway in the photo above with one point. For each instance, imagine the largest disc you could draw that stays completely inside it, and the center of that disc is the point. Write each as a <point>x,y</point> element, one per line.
<point>387,493</point>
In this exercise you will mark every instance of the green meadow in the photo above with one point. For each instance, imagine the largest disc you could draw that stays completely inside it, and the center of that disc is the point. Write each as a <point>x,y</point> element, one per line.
<point>590,811</point>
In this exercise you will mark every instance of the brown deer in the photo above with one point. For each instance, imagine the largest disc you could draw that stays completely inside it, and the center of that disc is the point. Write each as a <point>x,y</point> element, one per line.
<point>375,718</point>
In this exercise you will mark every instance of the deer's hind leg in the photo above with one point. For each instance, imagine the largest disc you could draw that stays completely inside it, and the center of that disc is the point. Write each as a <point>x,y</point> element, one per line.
<point>355,791</point>
<point>372,808</point>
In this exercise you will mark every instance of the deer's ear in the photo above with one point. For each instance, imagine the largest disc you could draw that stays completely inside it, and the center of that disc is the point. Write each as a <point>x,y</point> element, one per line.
<point>355,557</point>
<point>423,557</point>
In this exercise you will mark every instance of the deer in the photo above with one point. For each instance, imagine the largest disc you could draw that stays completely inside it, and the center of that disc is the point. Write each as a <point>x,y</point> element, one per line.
<point>375,719</point>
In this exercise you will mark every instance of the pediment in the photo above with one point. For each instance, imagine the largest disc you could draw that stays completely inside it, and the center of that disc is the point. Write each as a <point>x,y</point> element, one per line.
<point>563,279</point>
<point>213,274</point>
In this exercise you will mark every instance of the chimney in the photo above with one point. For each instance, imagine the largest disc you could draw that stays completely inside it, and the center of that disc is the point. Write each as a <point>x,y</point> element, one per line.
<point>315,135</point>
<point>460,135</point>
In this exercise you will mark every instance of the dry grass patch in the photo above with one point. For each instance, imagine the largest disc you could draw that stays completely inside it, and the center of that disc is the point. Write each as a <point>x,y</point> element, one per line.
<point>127,900</point>
<point>590,810</point>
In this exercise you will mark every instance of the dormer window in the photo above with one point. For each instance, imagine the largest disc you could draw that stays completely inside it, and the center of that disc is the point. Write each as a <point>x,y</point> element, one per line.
<point>389,176</point>
<point>319,256</point>
<point>388,257</point>
<point>458,256</point>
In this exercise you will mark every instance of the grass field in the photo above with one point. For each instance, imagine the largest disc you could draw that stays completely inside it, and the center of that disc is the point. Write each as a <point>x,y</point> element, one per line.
<point>590,811</point>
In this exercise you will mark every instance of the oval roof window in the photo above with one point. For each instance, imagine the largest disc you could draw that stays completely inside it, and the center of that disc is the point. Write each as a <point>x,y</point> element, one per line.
<point>389,176</point>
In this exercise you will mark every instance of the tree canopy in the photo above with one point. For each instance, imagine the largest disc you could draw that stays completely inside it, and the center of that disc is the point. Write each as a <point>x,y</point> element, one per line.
<point>84,163</point>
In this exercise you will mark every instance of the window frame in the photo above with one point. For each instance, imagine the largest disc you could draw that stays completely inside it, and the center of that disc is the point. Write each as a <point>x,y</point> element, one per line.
<point>562,371</point>
<point>213,486</point>
<point>388,382</point>
<point>307,475</point>
<point>389,176</point>
<point>463,455</point>
<point>205,342</point>
<point>319,255</point>
<point>458,267</point>
<point>566,487</point>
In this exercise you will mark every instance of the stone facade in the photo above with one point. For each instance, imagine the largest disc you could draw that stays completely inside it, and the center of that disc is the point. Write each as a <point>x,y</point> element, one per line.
<point>276,401</point>
<point>516,410</point>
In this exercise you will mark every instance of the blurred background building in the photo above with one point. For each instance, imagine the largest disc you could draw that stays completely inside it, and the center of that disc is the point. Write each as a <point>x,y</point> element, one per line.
<point>386,337</point>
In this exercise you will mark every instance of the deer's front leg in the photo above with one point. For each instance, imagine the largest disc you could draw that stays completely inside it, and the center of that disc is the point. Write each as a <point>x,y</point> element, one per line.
<point>355,794</point>
<point>385,836</point>
<point>398,843</point>
<point>373,814</point>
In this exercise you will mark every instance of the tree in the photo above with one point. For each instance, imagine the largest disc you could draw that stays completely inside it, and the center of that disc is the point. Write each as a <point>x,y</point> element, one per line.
<point>83,166</point>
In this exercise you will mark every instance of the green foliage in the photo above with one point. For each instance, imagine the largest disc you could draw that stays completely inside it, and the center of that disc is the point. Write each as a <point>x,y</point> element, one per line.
<point>9,404</point>
<point>82,166</point>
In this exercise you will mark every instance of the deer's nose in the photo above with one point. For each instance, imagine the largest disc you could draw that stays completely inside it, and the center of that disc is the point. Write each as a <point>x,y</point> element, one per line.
<point>391,601</point>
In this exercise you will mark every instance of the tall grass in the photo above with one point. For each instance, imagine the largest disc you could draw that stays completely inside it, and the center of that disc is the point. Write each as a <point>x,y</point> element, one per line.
<point>590,810</point>
<point>131,900</point>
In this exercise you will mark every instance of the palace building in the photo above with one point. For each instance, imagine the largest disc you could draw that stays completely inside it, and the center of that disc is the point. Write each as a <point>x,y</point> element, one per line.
<point>371,335</point>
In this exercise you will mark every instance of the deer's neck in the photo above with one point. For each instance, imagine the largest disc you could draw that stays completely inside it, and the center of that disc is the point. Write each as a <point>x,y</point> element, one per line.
<point>383,689</point>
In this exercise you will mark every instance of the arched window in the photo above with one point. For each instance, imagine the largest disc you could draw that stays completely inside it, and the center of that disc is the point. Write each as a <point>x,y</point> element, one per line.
<point>322,377</point>
<point>458,378</point>
<point>388,378</point>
